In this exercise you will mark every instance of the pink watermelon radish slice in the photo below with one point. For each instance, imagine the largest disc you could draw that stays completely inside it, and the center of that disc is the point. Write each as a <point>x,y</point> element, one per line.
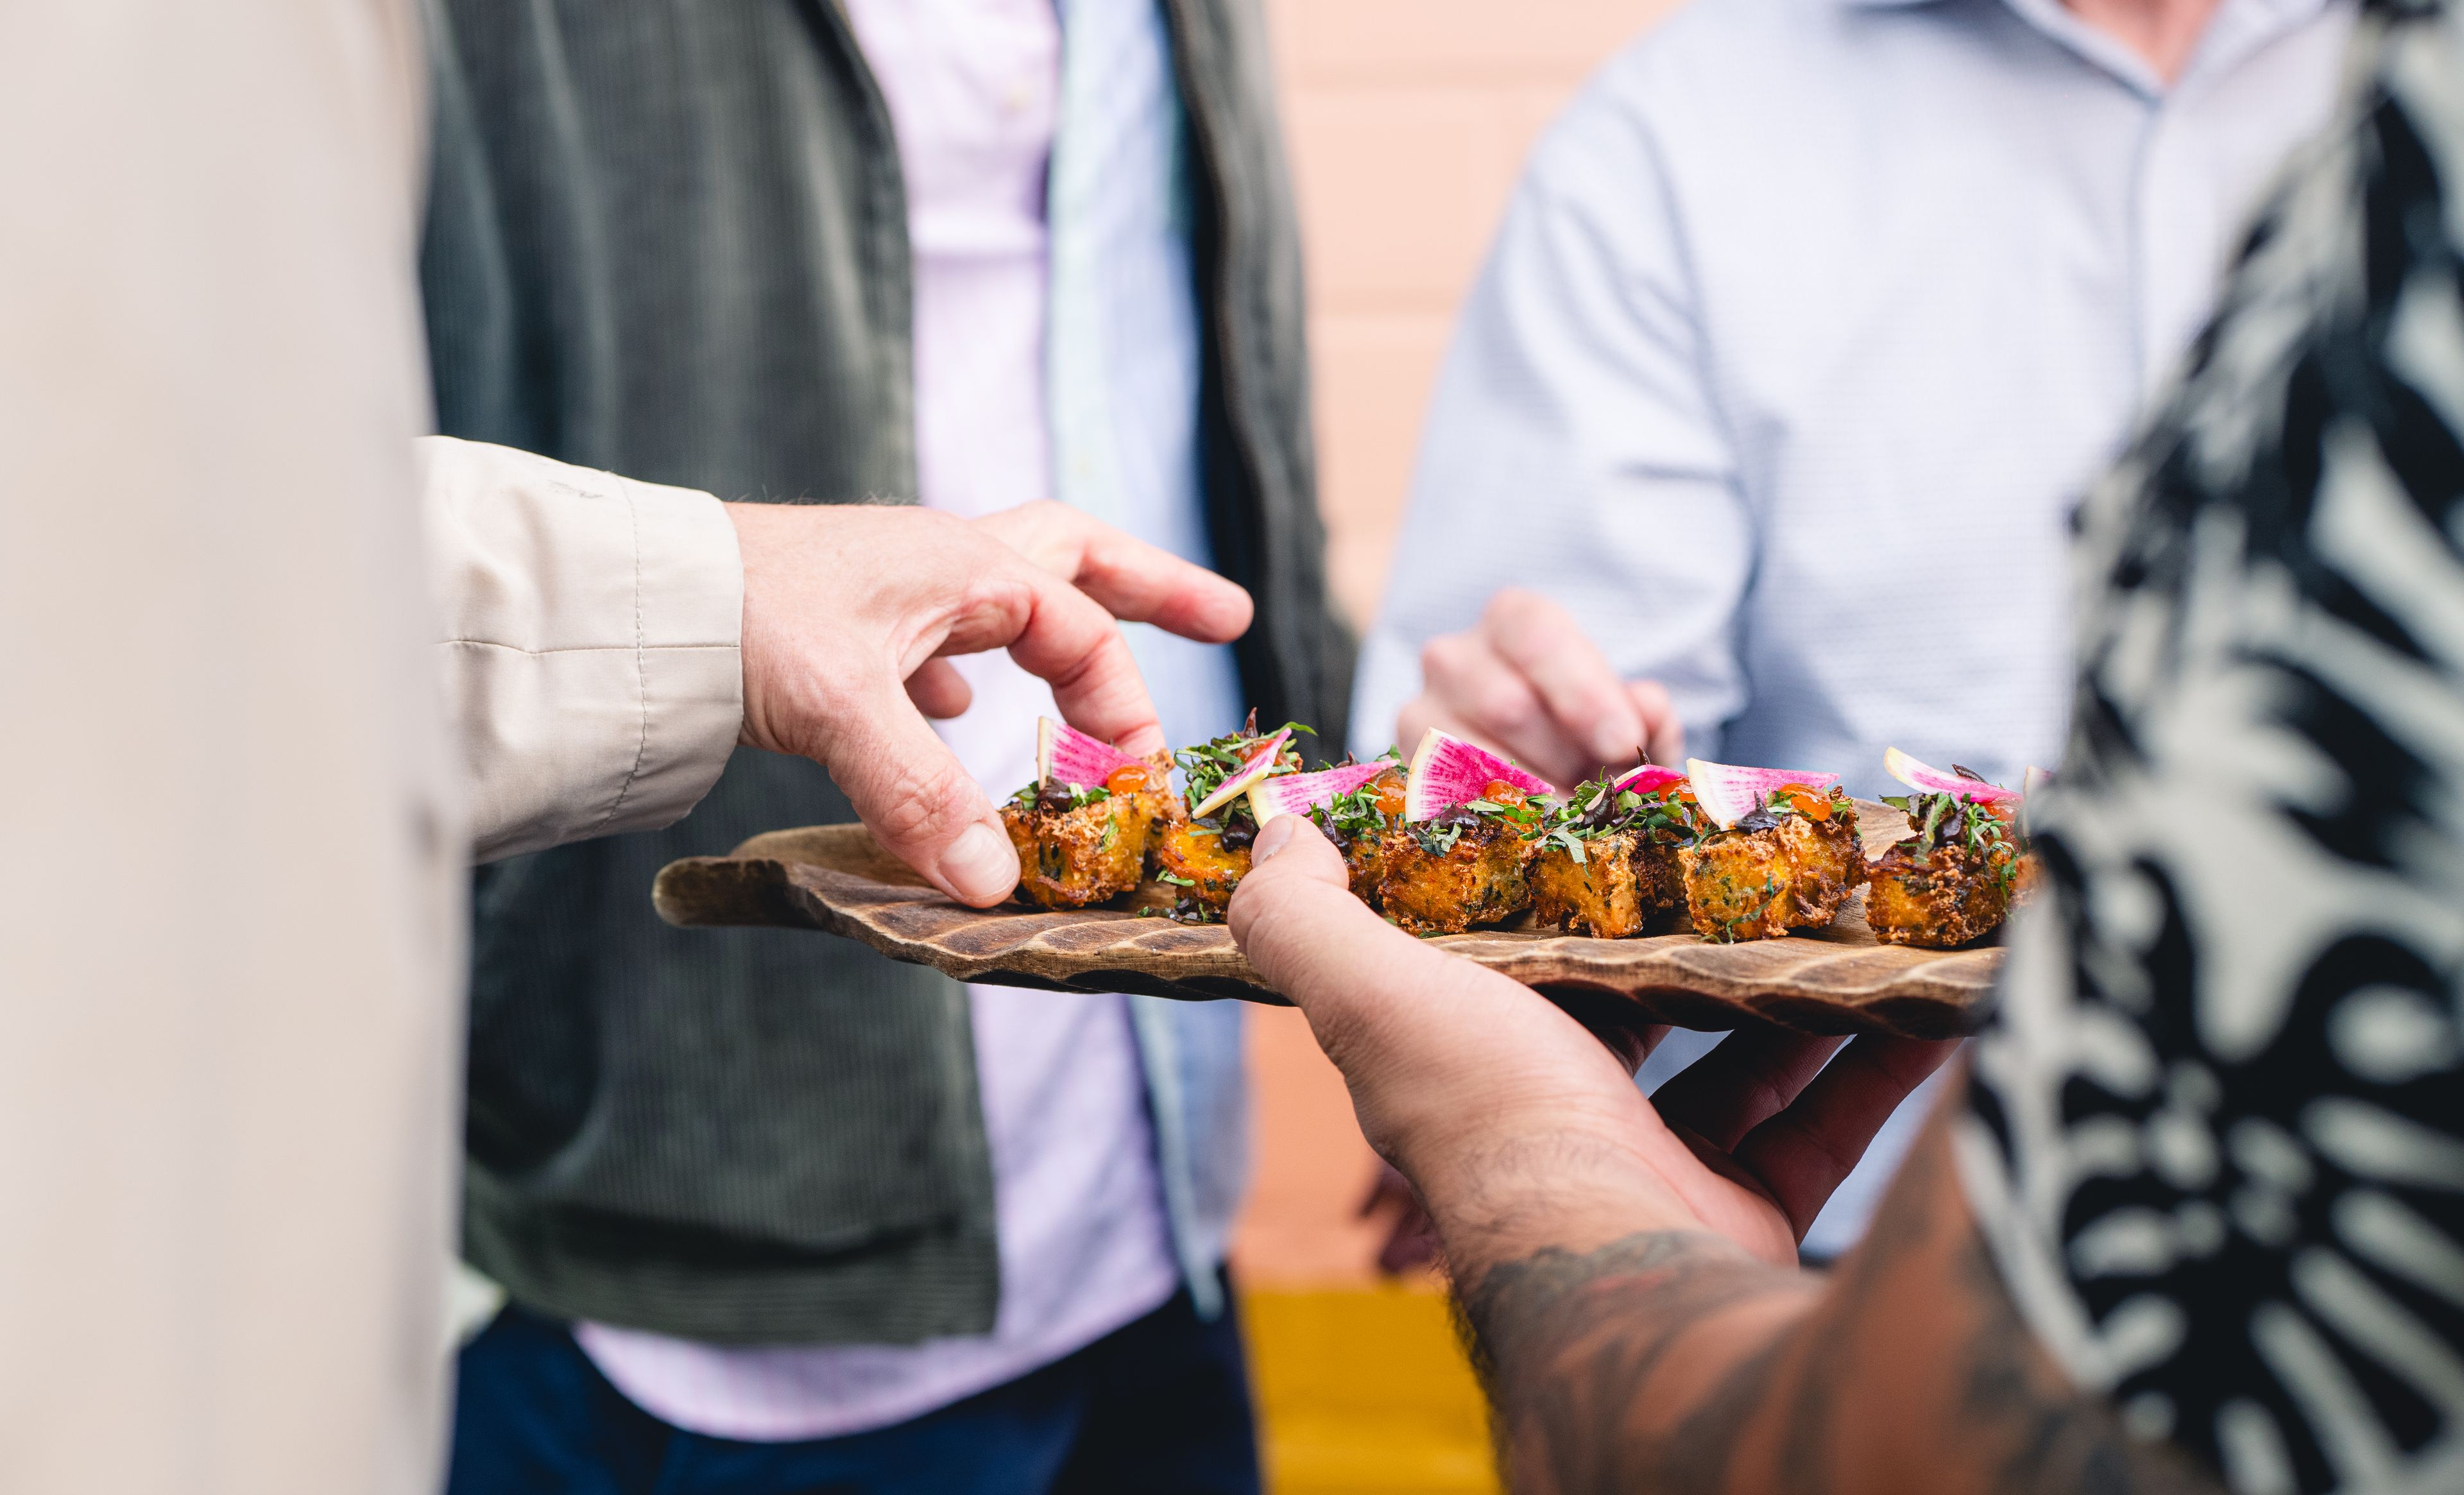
<point>1649,778</point>
<point>1068,756</point>
<point>1256,766</point>
<point>1728,794</point>
<point>1927,779</point>
<point>1446,771</point>
<point>1297,793</point>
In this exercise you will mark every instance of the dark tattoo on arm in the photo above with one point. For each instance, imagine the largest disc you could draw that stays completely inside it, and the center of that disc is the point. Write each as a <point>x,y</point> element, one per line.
<point>1670,1362</point>
<point>1566,1343</point>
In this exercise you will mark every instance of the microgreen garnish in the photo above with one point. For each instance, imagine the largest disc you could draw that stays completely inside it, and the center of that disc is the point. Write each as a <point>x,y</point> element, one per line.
<point>1204,767</point>
<point>1591,810</point>
<point>1946,820</point>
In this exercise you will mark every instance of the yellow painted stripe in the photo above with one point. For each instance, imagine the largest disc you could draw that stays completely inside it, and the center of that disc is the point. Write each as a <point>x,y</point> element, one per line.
<point>1365,1392</point>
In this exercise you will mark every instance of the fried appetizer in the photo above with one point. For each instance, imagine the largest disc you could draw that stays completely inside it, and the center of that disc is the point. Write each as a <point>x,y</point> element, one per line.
<point>1202,848</point>
<point>1361,820</point>
<point>1460,867</point>
<point>1444,849</point>
<point>1953,882</point>
<point>1607,860</point>
<point>1081,844</point>
<point>1781,852</point>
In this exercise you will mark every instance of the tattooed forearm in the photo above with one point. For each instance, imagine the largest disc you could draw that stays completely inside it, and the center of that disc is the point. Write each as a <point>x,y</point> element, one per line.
<point>1670,1362</point>
<point>1567,1343</point>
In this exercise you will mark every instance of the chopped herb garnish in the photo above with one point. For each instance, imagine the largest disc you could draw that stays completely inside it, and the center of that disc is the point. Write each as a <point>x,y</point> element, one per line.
<point>1204,767</point>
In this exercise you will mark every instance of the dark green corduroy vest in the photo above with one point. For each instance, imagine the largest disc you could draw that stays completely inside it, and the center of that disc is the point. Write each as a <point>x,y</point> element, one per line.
<point>667,238</point>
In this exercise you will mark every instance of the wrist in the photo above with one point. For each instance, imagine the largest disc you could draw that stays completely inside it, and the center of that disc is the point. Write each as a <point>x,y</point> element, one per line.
<point>1505,1193</point>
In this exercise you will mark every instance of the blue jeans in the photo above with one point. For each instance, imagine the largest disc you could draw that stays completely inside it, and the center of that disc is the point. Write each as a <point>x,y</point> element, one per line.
<point>1158,1407</point>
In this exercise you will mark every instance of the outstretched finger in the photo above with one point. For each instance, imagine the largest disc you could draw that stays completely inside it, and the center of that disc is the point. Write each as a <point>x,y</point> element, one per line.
<point>1583,696</point>
<point>1664,736</point>
<point>938,690</point>
<point>1060,634</point>
<point>1126,575</point>
<point>1803,1153</point>
<point>1750,1077</point>
<point>913,796</point>
<point>1475,692</point>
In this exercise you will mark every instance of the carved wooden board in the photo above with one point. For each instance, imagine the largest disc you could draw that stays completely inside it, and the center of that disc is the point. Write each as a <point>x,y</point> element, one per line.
<point>834,878</point>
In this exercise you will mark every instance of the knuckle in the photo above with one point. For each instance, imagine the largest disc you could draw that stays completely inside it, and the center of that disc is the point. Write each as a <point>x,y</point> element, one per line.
<point>1504,706</point>
<point>1511,604</point>
<point>922,804</point>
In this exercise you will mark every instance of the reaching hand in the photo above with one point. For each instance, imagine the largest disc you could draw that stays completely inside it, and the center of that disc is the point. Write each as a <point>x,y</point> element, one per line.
<point>848,611</point>
<point>1527,682</point>
<point>1520,1129</point>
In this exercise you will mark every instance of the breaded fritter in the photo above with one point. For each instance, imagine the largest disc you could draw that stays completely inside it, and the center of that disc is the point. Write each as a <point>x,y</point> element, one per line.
<point>1081,845</point>
<point>1438,877</point>
<point>1787,865</point>
<point>1627,869</point>
<point>1205,859</point>
<point>1951,883</point>
<point>1444,875</point>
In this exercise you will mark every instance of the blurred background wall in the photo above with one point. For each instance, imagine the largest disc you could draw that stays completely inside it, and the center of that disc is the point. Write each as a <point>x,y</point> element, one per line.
<point>1408,122</point>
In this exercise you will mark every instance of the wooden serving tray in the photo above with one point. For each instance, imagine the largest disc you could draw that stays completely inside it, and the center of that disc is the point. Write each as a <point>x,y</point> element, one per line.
<point>834,878</point>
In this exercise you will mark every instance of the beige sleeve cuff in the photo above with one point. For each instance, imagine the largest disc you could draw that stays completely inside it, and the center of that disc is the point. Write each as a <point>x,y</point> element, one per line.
<point>590,646</point>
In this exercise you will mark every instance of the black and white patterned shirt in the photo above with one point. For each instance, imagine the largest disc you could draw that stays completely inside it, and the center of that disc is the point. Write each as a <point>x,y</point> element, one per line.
<point>2217,1135</point>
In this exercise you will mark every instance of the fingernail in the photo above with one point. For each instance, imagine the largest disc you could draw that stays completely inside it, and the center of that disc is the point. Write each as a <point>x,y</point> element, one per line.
<point>981,865</point>
<point>1275,835</point>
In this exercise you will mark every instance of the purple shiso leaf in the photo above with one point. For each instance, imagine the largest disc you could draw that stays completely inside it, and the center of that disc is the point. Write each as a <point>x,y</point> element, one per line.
<point>1926,778</point>
<point>1649,778</point>
<point>1727,793</point>
<point>1446,771</point>
<point>1297,793</point>
<point>1065,754</point>
<point>1256,766</point>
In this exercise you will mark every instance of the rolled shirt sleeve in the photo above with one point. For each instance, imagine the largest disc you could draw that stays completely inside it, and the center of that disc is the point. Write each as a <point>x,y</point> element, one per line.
<point>591,642</point>
<point>1572,446</point>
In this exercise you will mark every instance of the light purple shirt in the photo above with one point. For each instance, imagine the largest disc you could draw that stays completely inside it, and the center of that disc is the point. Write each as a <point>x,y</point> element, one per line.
<point>973,89</point>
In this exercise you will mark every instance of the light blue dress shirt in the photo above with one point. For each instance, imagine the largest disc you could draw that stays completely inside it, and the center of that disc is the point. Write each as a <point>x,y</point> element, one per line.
<point>1808,322</point>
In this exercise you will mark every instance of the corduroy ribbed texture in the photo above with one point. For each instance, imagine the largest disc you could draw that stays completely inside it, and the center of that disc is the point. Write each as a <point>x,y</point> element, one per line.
<point>668,239</point>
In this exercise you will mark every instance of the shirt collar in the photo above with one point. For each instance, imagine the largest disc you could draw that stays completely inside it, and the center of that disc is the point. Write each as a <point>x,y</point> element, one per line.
<point>2261,19</point>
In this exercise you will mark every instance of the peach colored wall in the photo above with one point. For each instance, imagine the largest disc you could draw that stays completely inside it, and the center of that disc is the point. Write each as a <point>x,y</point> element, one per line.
<point>1408,121</point>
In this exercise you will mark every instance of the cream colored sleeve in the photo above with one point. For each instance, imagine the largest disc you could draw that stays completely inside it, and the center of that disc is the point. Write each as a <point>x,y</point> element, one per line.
<point>590,646</point>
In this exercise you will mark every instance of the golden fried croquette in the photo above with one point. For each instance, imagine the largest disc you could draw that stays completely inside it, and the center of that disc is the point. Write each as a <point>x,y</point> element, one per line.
<point>1080,846</point>
<point>1949,884</point>
<point>1787,865</point>
<point>1205,859</point>
<point>1608,862</point>
<point>1443,875</point>
<point>1438,877</point>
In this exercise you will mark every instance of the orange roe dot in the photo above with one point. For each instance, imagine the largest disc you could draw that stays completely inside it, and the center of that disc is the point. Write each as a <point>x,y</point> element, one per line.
<point>1807,802</point>
<point>1500,792</point>
<point>1127,779</point>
